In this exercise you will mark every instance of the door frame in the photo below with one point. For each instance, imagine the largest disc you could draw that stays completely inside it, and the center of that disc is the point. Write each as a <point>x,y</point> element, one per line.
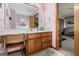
<point>76,29</point>
<point>76,52</point>
<point>57,26</point>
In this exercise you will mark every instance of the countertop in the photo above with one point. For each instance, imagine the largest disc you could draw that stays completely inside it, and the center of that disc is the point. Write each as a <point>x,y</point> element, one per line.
<point>17,31</point>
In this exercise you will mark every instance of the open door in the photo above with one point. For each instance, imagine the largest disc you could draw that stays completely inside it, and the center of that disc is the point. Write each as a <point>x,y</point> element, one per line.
<point>76,29</point>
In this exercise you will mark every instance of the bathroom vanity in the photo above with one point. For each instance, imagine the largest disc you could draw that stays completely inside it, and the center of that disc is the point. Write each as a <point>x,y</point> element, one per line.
<point>38,41</point>
<point>34,41</point>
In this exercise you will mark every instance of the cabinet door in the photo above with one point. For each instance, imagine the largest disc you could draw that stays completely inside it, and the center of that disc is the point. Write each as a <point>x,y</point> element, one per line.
<point>45,45</point>
<point>34,45</point>
<point>45,39</point>
<point>31,46</point>
<point>38,44</point>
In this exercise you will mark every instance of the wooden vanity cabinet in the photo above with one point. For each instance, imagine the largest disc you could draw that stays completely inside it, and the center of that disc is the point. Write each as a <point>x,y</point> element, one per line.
<point>31,46</point>
<point>38,41</point>
<point>34,43</point>
<point>1,39</point>
<point>38,44</point>
<point>46,39</point>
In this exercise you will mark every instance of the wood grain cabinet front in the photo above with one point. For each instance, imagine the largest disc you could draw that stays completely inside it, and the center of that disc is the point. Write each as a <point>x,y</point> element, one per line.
<point>37,35</point>
<point>1,39</point>
<point>44,45</point>
<point>38,41</point>
<point>34,45</point>
<point>31,46</point>
<point>33,42</point>
<point>38,44</point>
<point>46,39</point>
<point>14,38</point>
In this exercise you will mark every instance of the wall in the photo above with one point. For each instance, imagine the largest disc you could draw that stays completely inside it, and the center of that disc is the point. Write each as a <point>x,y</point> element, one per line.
<point>10,13</point>
<point>1,24</point>
<point>47,18</point>
<point>7,14</point>
<point>50,20</point>
<point>41,12</point>
<point>2,18</point>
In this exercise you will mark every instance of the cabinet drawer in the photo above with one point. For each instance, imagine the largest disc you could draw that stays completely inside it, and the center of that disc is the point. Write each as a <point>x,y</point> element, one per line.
<point>50,43</point>
<point>14,38</point>
<point>50,38</point>
<point>50,33</point>
<point>45,34</point>
<point>34,36</point>
<point>44,45</point>
<point>45,39</point>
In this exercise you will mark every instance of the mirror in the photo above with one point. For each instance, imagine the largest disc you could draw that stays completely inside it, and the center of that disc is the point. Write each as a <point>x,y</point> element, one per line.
<point>24,9</point>
<point>28,21</point>
<point>0,5</point>
<point>22,15</point>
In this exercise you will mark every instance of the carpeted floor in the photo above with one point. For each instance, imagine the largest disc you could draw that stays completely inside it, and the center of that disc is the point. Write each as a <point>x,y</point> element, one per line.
<point>46,52</point>
<point>52,52</point>
<point>68,45</point>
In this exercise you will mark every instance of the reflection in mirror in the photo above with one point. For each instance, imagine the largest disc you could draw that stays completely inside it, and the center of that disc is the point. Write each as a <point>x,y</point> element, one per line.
<point>20,15</point>
<point>34,21</point>
<point>0,5</point>
<point>23,22</point>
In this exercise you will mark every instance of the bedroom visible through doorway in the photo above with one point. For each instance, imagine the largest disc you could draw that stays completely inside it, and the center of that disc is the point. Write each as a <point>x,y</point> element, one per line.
<point>66,27</point>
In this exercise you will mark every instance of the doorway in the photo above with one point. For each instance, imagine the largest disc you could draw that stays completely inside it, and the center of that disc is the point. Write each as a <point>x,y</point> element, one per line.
<point>65,27</point>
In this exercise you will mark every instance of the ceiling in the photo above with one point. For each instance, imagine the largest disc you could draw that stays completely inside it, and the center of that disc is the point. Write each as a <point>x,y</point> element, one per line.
<point>66,9</point>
